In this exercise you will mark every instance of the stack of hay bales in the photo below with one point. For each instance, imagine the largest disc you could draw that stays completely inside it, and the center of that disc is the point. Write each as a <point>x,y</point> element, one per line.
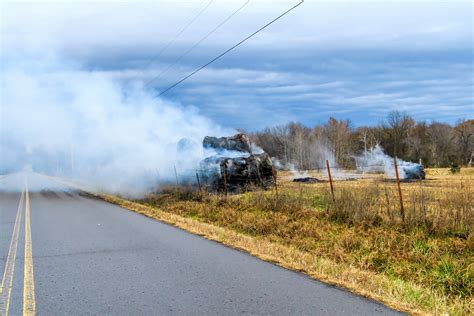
<point>236,166</point>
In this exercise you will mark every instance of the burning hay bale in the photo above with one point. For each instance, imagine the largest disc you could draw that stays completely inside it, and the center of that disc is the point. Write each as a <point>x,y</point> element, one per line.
<point>239,142</point>
<point>412,171</point>
<point>235,167</point>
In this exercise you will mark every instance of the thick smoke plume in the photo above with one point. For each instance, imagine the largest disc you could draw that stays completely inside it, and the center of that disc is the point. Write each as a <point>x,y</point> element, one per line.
<point>62,120</point>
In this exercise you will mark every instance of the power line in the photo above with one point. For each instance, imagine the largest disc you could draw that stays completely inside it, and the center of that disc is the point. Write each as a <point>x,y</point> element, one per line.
<point>231,48</point>
<point>171,42</point>
<point>197,43</point>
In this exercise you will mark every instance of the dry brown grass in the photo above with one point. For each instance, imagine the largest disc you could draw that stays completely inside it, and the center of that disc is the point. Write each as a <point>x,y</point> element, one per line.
<point>422,265</point>
<point>440,209</point>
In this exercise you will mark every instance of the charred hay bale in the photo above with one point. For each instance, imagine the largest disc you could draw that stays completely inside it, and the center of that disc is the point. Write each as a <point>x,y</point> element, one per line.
<point>239,142</point>
<point>238,173</point>
<point>307,180</point>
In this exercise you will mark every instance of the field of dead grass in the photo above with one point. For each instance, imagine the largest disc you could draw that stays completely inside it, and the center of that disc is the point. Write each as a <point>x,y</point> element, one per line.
<point>359,240</point>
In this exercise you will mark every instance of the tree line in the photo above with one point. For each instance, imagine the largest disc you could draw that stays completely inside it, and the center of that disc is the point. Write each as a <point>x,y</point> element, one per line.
<point>435,144</point>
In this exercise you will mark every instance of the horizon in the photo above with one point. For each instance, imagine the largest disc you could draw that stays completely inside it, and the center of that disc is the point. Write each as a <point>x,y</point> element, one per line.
<point>382,122</point>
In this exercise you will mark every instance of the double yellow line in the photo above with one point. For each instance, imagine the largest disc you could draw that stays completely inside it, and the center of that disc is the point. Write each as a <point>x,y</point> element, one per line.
<point>29,302</point>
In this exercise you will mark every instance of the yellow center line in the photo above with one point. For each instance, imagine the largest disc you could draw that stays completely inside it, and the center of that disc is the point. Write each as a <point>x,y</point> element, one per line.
<point>7,280</point>
<point>29,302</point>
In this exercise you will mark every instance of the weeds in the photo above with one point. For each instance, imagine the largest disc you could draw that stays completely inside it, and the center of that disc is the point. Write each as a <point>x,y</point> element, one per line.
<point>446,211</point>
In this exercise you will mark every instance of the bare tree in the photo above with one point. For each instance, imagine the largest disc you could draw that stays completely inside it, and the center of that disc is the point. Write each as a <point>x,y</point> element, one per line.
<point>418,143</point>
<point>441,144</point>
<point>339,136</point>
<point>465,139</point>
<point>368,137</point>
<point>437,144</point>
<point>397,129</point>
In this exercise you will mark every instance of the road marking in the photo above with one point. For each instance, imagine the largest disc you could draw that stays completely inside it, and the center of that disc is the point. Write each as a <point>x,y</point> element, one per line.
<point>7,281</point>
<point>29,302</point>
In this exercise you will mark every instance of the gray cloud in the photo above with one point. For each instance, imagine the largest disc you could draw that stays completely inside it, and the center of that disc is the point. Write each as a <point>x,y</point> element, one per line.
<point>354,59</point>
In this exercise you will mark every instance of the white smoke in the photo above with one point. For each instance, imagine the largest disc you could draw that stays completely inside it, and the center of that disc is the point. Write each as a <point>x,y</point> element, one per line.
<point>62,120</point>
<point>375,160</point>
<point>314,153</point>
<point>295,172</point>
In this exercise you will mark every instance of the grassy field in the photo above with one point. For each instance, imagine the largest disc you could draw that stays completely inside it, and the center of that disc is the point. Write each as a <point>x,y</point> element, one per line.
<point>420,261</point>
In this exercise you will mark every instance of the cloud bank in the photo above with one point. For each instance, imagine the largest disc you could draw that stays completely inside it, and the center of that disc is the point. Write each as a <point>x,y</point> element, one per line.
<point>348,59</point>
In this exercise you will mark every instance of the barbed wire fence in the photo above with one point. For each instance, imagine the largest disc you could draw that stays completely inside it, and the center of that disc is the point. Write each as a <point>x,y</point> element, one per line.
<point>392,190</point>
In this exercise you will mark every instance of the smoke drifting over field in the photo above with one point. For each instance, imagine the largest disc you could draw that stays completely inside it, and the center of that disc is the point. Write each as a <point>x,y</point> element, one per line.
<point>61,120</point>
<point>375,160</point>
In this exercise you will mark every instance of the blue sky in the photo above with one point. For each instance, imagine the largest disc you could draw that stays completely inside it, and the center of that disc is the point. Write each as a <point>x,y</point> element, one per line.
<point>352,60</point>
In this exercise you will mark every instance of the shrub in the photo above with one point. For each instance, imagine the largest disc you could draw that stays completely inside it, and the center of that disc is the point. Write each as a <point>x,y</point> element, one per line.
<point>454,168</point>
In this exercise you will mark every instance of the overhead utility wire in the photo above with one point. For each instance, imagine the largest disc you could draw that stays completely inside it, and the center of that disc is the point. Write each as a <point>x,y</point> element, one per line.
<point>179,34</point>
<point>231,48</point>
<point>198,43</point>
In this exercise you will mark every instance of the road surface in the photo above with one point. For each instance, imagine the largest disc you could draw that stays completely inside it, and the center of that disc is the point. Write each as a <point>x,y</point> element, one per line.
<point>65,253</point>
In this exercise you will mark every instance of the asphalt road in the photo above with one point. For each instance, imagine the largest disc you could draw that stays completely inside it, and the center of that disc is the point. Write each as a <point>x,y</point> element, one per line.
<point>80,255</point>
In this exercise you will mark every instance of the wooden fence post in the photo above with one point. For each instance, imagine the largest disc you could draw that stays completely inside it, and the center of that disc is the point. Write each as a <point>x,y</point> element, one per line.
<point>225,178</point>
<point>402,210</point>
<point>176,176</point>
<point>330,180</point>
<point>199,182</point>
<point>275,180</point>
